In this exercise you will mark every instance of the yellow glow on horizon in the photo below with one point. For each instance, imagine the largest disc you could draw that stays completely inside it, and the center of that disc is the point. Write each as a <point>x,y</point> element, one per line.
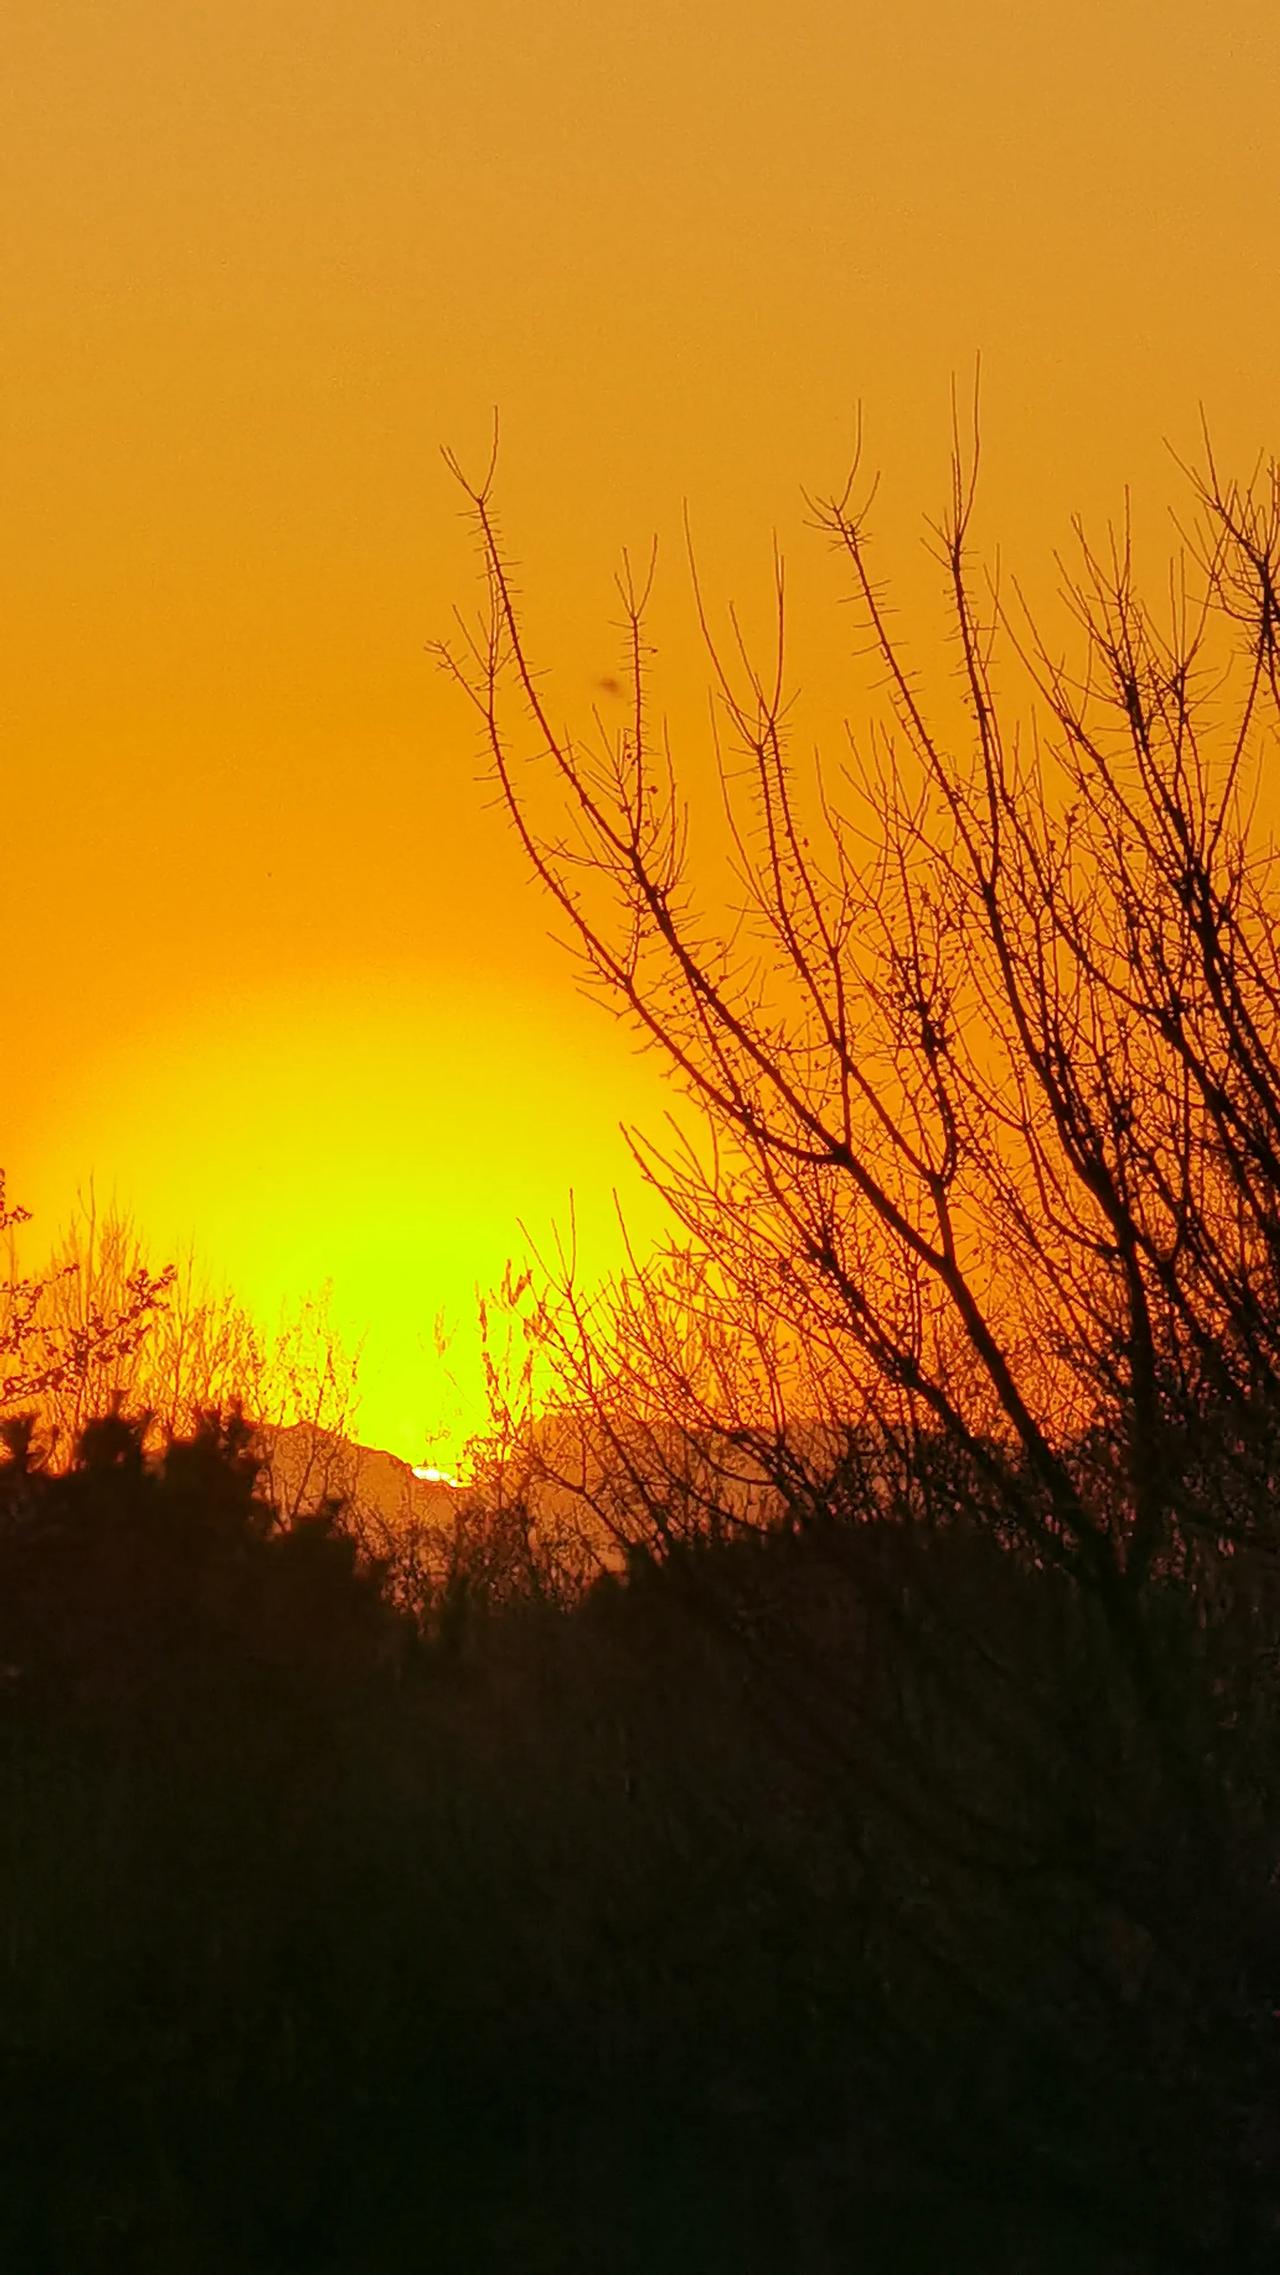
<point>320,1141</point>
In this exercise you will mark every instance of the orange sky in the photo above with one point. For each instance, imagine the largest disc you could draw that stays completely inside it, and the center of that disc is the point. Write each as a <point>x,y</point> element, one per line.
<point>271,966</point>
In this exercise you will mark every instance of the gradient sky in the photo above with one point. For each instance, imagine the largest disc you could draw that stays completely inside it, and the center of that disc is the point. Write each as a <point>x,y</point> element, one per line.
<point>272,971</point>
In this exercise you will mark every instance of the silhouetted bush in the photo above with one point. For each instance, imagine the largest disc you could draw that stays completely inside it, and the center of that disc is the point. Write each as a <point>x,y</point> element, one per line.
<point>595,1934</point>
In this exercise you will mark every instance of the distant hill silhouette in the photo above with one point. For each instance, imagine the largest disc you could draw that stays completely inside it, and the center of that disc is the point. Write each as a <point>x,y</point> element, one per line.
<point>306,1464</point>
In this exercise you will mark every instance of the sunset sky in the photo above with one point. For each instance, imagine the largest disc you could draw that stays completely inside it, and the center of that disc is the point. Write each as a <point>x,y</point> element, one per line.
<point>273,972</point>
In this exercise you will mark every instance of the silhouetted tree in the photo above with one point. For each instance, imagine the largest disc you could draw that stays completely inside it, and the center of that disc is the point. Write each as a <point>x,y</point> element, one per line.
<point>102,1327</point>
<point>977,1277</point>
<point>68,1334</point>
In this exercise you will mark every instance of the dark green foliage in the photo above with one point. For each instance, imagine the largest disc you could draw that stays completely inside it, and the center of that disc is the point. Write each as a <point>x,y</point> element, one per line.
<point>815,1901</point>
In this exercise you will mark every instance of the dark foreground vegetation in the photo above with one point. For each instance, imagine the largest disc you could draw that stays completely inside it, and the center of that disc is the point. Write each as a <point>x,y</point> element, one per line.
<point>813,1900</point>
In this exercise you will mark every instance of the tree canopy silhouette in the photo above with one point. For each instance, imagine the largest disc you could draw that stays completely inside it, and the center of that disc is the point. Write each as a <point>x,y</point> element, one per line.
<point>990,1053</point>
<point>974,1282</point>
